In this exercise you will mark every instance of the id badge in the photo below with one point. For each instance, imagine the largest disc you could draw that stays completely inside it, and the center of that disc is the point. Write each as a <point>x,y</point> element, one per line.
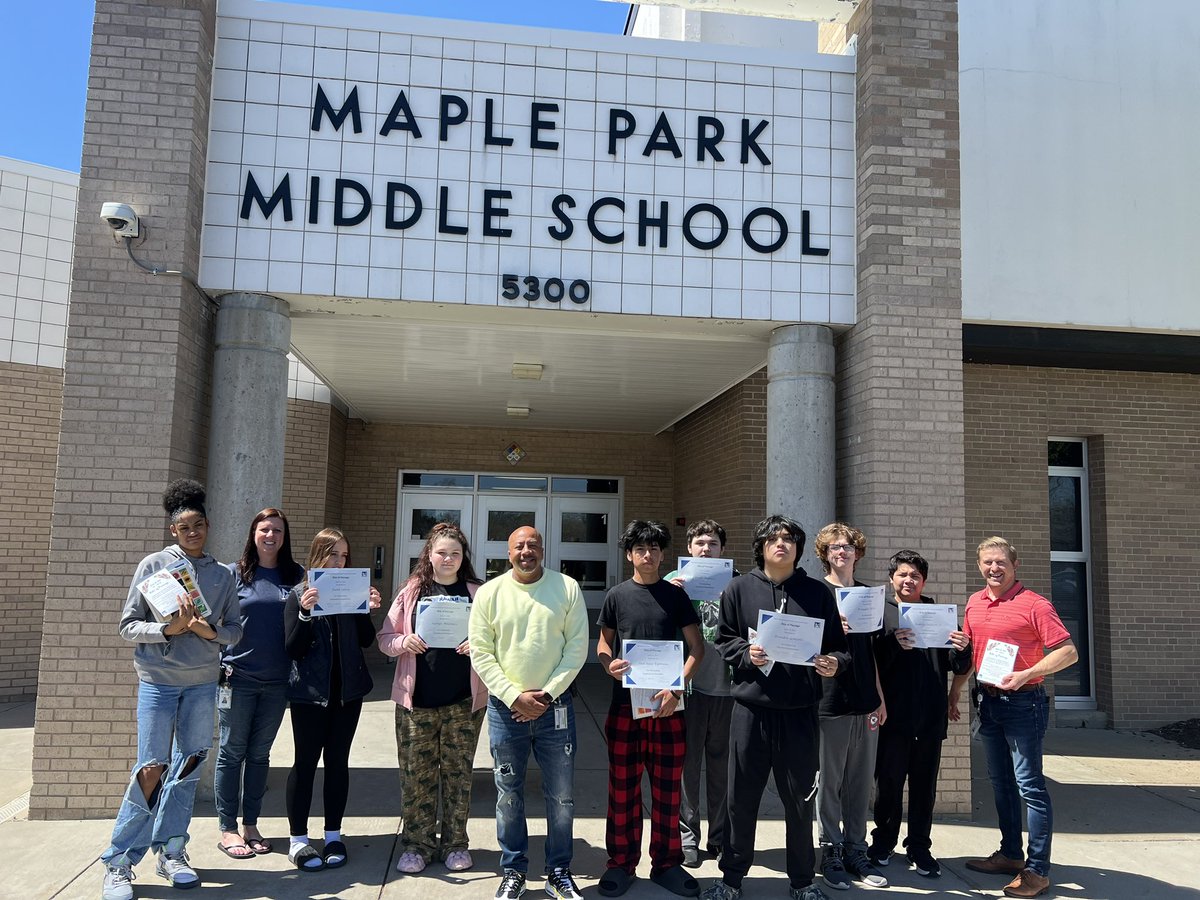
<point>225,696</point>
<point>975,725</point>
<point>560,718</point>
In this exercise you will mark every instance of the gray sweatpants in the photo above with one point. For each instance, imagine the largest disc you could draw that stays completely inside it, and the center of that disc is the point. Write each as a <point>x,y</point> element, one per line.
<point>847,775</point>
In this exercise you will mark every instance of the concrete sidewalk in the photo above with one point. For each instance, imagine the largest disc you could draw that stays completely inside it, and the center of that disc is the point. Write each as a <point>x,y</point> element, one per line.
<point>1127,825</point>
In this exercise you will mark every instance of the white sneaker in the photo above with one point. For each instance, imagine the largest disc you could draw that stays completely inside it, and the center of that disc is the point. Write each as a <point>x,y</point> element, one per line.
<point>174,866</point>
<point>118,882</point>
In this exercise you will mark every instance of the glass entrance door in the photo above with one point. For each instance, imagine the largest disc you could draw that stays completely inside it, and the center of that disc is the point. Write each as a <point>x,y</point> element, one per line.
<point>583,543</point>
<point>419,512</point>
<point>498,516</point>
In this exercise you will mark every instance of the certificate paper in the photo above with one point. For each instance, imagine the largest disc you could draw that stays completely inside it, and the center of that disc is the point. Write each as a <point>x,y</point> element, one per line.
<point>862,607</point>
<point>653,664</point>
<point>931,623</point>
<point>341,591</point>
<point>166,588</point>
<point>998,660</point>
<point>644,705</point>
<point>705,578</point>
<point>790,639</point>
<point>442,621</point>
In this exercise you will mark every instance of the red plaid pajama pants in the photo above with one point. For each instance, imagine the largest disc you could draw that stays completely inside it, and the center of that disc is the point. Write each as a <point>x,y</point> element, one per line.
<point>635,746</point>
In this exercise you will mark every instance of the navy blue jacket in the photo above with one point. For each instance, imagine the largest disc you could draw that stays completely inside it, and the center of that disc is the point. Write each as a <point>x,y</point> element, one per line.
<point>309,644</point>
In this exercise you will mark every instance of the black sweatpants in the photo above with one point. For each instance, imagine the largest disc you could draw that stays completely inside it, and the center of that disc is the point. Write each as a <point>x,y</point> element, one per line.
<point>900,757</point>
<point>762,741</point>
<point>321,731</point>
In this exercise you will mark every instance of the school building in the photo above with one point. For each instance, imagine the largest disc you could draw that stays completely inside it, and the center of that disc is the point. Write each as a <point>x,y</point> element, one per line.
<point>920,265</point>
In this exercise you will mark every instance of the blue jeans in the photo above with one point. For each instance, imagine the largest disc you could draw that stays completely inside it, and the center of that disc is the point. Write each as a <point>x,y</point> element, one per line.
<point>175,730</point>
<point>247,731</point>
<point>554,750</point>
<point>1012,728</point>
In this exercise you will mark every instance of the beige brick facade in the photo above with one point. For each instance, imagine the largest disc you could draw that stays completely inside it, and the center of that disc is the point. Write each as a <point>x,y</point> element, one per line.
<point>313,470</point>
<point>30,407</point>
<point>135,391</point>
<point>720,466</point>
<point>1142,431</point>
<point>375,454</point>
<point>921,439</point>
<point>899,393</point>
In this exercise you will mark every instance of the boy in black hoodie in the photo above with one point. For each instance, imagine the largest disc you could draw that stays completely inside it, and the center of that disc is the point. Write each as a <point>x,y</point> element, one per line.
<point>910,742</point>
<point>773,727</point>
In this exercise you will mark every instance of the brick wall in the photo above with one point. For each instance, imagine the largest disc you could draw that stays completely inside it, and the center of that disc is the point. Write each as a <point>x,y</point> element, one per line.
<point>313,470</point>
<point>30,406</point>
<point>1143,431</point>
<point>375,454</point>
<point>720,466</point>
<point>135,388</point>
<point>899,379</point>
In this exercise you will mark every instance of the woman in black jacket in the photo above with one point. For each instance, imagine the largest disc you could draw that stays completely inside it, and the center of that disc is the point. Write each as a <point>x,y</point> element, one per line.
<point>328,681</point>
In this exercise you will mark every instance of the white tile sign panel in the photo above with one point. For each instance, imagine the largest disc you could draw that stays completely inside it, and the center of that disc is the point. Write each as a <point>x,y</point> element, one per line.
<point>382,157</point>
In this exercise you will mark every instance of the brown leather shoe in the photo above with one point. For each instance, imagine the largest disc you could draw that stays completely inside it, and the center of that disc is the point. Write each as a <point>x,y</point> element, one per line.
<point>997,864</point>
<point>1028,883</point>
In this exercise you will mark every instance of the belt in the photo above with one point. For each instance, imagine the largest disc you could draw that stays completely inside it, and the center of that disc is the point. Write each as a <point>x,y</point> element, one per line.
<point>992,691</point>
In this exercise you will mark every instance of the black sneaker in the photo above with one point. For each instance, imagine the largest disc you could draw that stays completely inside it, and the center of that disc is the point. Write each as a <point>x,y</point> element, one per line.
<point>860,868</point>
<point>833,868</point>
<point>512,885</point>
<point>812,892</point>
<point>924,863</point>
<point>879,857</point>
<point>719,890</point>
<point>560,883</point>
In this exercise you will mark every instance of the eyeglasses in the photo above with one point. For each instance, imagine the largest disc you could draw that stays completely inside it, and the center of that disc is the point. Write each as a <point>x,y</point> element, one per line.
<point>846,548</point>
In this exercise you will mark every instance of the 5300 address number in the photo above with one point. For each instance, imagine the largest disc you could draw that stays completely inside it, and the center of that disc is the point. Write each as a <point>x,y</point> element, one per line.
<point>552,290</point>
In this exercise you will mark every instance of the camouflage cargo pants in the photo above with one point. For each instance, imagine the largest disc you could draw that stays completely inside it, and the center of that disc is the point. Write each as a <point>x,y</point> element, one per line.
<point>436,748</point>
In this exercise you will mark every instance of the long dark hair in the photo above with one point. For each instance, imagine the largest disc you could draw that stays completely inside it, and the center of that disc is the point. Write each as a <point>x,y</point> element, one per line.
<point>422,571</point>
<point>290,571</point>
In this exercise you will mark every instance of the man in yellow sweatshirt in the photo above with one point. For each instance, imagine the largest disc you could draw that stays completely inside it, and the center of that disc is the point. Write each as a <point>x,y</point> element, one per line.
<point>529,637</point>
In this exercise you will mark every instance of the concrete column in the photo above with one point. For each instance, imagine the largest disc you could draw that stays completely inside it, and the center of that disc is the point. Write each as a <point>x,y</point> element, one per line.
<point>249,416</point>
<point>801,464</point>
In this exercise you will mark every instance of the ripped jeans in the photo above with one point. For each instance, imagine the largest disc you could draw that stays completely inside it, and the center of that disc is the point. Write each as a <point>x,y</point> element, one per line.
<point>554,749</point>
<point>175,730</point>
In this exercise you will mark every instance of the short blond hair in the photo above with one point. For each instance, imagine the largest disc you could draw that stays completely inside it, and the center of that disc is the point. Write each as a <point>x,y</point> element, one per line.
<point>830,534</point>
<point>995,542</point>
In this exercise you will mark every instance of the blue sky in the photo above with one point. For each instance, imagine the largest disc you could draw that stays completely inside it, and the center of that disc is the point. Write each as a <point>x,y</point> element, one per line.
<point>44,49</point>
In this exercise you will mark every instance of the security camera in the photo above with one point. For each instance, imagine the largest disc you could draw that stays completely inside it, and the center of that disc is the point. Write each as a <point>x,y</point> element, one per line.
<point>121,219</point>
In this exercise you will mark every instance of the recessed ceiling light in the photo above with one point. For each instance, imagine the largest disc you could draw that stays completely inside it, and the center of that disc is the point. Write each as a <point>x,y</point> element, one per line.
<point>518,412</point>
<point>527,371</point>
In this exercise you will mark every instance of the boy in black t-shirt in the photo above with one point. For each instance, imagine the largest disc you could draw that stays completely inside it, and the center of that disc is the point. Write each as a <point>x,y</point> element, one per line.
<point>650,609</point>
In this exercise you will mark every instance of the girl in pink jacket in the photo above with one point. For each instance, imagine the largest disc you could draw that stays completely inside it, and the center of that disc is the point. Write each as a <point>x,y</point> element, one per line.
<point>439,700</point>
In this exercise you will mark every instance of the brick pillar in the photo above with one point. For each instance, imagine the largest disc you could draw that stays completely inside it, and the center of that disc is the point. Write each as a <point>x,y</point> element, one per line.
<point>900,434</point>
<point>136,386</point>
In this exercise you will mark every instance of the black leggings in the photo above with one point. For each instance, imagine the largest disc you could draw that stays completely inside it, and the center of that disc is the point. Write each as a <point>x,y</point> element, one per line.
<point>321,731</point>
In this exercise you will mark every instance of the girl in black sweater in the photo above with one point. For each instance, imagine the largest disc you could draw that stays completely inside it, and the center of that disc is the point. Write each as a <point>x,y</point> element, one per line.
<point>328,681</point>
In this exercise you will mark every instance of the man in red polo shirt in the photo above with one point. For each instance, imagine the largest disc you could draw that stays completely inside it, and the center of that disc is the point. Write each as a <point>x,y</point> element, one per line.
<point>1006,621</point>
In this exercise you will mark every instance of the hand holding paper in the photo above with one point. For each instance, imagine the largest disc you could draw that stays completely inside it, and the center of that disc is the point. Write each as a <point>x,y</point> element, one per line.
<point>861,608</point>
<point>704,578</point>
<point>929,624</point>
<point>339,591</point>
<point>998,661</point>
<point>653,664</point>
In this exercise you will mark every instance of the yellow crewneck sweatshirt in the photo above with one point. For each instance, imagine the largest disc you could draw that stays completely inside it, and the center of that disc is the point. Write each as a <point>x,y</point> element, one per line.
<point>528,637</point>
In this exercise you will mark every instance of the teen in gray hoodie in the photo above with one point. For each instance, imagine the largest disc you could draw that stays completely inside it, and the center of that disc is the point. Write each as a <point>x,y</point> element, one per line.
<point>176,660</point>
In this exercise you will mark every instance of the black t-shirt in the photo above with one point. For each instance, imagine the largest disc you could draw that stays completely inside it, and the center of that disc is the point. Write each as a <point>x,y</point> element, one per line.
<point>443,674</point>
<point>654,612</point>
<point>852,691</point>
